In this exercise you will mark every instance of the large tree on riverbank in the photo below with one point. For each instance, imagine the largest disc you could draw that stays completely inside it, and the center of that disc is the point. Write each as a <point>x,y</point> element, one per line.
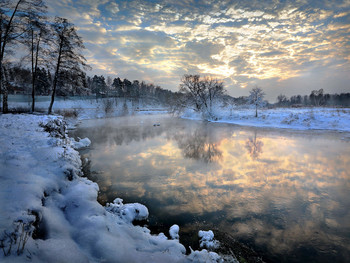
<point>12,28</point>
<point>67,52</point>
<point>201,92</point>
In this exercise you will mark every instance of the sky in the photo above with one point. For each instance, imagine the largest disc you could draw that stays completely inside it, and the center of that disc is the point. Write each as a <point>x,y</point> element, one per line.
<point>284,47</point>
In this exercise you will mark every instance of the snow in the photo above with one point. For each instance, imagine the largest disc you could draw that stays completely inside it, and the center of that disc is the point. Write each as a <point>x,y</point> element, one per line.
<point>287,118</point>
<point>82,143</point>
<point>174,231</point>
<point>50,210</point>
<point>207,239</point>
<point>127,212</point>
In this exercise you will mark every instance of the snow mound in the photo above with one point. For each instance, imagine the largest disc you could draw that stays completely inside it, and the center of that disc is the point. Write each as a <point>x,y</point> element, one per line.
<point>82,143</point>
<point>127,212</point>
<point>174,231</point>
<point>204,256</point>
<point>207,239</point>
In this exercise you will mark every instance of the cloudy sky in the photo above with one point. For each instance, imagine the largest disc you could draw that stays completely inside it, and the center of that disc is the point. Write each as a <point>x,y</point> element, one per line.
<point>288,47</point>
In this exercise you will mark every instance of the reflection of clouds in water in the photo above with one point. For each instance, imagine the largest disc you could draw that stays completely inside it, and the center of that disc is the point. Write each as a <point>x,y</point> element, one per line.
<point>295,193</point>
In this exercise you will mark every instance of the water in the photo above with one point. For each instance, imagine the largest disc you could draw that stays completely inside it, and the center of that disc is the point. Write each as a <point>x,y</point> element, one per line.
<point>284,193</point>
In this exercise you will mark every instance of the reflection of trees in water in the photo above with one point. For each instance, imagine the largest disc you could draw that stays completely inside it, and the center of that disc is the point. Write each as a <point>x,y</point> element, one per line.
<point>199,146</point>
<point>254,146</point>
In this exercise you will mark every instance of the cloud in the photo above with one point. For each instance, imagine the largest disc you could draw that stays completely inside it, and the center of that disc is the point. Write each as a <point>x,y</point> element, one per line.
<point>242,41</point>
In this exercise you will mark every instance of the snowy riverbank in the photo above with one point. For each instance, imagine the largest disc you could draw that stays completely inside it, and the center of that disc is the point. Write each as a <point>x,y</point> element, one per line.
<point>287,118</point>
<point>49,212</point>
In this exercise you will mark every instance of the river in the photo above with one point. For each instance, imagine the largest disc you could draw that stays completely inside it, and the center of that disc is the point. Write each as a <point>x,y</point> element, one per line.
<point>284,193</point>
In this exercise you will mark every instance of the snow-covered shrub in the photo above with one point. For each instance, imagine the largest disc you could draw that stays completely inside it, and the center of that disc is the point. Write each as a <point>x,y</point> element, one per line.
<point>174,232</point>
<point>207,240</point>
<point>15,240</point>
<point>127,212</point>
<point>291,118</point>
<point>56,127</point>
<point>82,143</point>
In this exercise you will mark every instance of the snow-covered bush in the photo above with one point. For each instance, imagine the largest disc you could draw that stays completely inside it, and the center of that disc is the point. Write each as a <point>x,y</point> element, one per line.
<point>127,212</point>
<point>56,127</point>
<point>174,231</point>
<point>207,240</point>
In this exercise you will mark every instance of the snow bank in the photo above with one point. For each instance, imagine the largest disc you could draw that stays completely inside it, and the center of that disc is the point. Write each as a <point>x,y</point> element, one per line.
<point>49,213</point>
<point>291,118</point>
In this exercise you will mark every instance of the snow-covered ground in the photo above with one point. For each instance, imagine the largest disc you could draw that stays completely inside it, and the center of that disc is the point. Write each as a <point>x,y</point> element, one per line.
<point>291,118</point>
<point>49,212</point>
<point>91,108</point>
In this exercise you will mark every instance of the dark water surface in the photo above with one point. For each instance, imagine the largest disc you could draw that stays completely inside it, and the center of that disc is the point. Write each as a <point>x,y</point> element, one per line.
<point>284,193</point>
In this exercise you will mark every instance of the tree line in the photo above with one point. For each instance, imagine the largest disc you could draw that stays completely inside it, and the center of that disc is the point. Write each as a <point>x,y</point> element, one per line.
<point>316,98</point>
<point>79,84</point>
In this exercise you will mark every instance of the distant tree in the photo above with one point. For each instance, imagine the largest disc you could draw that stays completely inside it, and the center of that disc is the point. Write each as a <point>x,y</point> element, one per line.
<point>42,82</point>
<point>99,85</point>
<point>282,100</point>
<point>118,86</point>
<point>67,52</point>
<point>109,82</point>
<point>256,98</point>
<point>316,97</point>
<point>296,100</point>
<point>127,86</point>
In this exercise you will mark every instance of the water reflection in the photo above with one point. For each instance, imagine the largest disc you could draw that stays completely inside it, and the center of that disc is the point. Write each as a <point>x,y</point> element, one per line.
<point>254,146</point>
<point>286,194</point>
<point>198,145</point>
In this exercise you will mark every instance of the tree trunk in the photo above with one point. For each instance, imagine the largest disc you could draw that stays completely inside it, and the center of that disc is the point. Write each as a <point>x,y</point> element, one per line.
<point>5,107</point>
<point>256,111</point>
<point>34,67</point>
<point>56,77</point>
<point>33,77</point>
<point>4,90</point>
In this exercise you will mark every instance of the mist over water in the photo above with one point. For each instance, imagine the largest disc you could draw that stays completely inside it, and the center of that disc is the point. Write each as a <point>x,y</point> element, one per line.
<point>284,193</point>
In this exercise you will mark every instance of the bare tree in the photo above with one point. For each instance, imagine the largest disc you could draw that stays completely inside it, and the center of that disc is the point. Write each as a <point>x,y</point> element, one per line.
<point>282,100</point>
<point>37,35</point>
<point>256,98</point>
<point>201,93</point>
<point>316,97</point>
<point>67,52</point>
<point>192,87</point>
<point>215,89</point>
<point>12,28</point>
